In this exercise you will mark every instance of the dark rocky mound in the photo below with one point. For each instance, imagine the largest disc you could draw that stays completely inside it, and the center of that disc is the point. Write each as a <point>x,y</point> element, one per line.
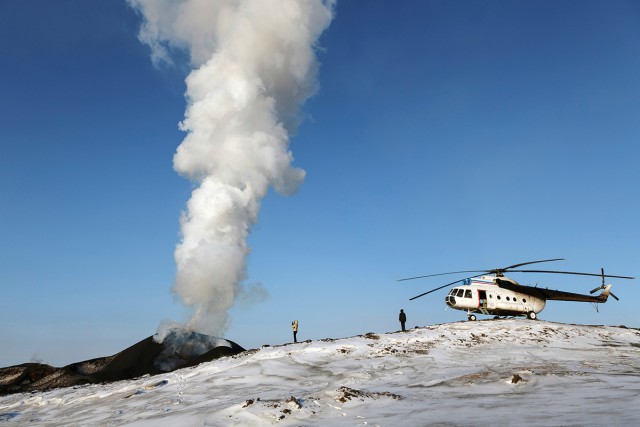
<point>180,349</point>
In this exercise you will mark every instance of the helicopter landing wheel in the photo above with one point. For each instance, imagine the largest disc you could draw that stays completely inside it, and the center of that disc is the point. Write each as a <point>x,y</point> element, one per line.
<point>531,315</point>
<point>471,318</point>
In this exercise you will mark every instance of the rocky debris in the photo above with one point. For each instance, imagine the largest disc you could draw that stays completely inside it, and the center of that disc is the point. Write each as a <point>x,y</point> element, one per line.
<point>290,405</point>
<point>294,402</point>
<point>348,393</point>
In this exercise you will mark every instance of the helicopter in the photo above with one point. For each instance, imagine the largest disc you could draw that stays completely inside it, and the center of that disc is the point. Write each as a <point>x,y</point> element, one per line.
<point>492,293</point>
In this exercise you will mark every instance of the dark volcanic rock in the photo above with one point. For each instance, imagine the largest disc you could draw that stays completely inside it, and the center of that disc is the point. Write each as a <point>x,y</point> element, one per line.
<point>23,375</point>
<point>179,349</point>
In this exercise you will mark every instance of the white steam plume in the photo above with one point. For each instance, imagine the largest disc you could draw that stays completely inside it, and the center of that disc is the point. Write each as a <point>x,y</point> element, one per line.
<point>254,65</point>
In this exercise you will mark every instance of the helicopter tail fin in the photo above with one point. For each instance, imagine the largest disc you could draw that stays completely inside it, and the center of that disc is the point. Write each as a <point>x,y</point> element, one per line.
<point>604,295</point>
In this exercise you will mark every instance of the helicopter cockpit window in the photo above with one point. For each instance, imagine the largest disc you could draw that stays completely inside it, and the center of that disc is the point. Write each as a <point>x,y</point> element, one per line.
<point>453,292</point>
<point>460,293</point>
<point>467,293</point>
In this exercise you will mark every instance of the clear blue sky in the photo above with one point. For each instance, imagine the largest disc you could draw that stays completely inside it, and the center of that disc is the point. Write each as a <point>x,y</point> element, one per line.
<point>445,136</point>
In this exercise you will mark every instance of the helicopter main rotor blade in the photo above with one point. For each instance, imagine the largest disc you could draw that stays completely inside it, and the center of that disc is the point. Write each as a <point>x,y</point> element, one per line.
<point>444,286</point>
<point>531,262</point>
<point>488,270</point>
<point>433,290</point>
<point>444,274</point>
<point>570,272</point>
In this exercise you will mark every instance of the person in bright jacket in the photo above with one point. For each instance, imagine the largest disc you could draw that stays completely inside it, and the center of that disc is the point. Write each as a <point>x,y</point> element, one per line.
<point>403,319</point>
<point>294,326</point>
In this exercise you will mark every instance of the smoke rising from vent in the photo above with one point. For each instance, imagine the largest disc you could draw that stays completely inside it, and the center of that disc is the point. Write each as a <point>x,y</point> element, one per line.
<point>254,66</point>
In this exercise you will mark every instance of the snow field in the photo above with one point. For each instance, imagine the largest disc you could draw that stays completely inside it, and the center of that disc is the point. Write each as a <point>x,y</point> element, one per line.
<point>498,372</point>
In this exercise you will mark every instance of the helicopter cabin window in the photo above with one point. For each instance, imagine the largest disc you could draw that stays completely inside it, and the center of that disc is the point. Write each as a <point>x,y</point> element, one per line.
<point>524,300</point>
<point>467,293</point>
<point>507,298</point>
<point>498,297</point>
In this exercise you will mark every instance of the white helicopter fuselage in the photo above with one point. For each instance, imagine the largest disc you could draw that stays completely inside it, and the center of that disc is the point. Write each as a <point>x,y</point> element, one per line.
<point>492,293</point>
<point>483,296</point>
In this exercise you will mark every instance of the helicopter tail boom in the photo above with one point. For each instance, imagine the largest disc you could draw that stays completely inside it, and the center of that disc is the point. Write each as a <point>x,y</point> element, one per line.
<point>553,295</point>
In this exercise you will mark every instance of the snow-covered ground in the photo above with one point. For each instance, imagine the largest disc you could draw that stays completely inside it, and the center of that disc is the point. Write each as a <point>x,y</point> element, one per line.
<point>494,372</point>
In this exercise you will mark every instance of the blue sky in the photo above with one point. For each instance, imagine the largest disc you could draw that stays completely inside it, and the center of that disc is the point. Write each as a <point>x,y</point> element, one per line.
<point>445,136</point>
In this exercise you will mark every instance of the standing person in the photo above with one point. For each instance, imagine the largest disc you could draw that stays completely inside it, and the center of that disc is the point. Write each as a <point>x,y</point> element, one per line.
<point>294,326</point>
<point>403,319</point>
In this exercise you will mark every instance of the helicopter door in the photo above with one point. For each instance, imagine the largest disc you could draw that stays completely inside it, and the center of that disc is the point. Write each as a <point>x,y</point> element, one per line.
<point>483,300</point>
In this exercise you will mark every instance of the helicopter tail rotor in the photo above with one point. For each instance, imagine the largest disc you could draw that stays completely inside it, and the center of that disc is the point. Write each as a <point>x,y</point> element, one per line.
<point>593,291</point>
<point>606,288</point>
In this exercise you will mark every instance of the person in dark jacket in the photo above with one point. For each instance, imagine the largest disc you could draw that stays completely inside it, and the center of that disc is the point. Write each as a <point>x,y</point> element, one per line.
<point>403,319</point>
